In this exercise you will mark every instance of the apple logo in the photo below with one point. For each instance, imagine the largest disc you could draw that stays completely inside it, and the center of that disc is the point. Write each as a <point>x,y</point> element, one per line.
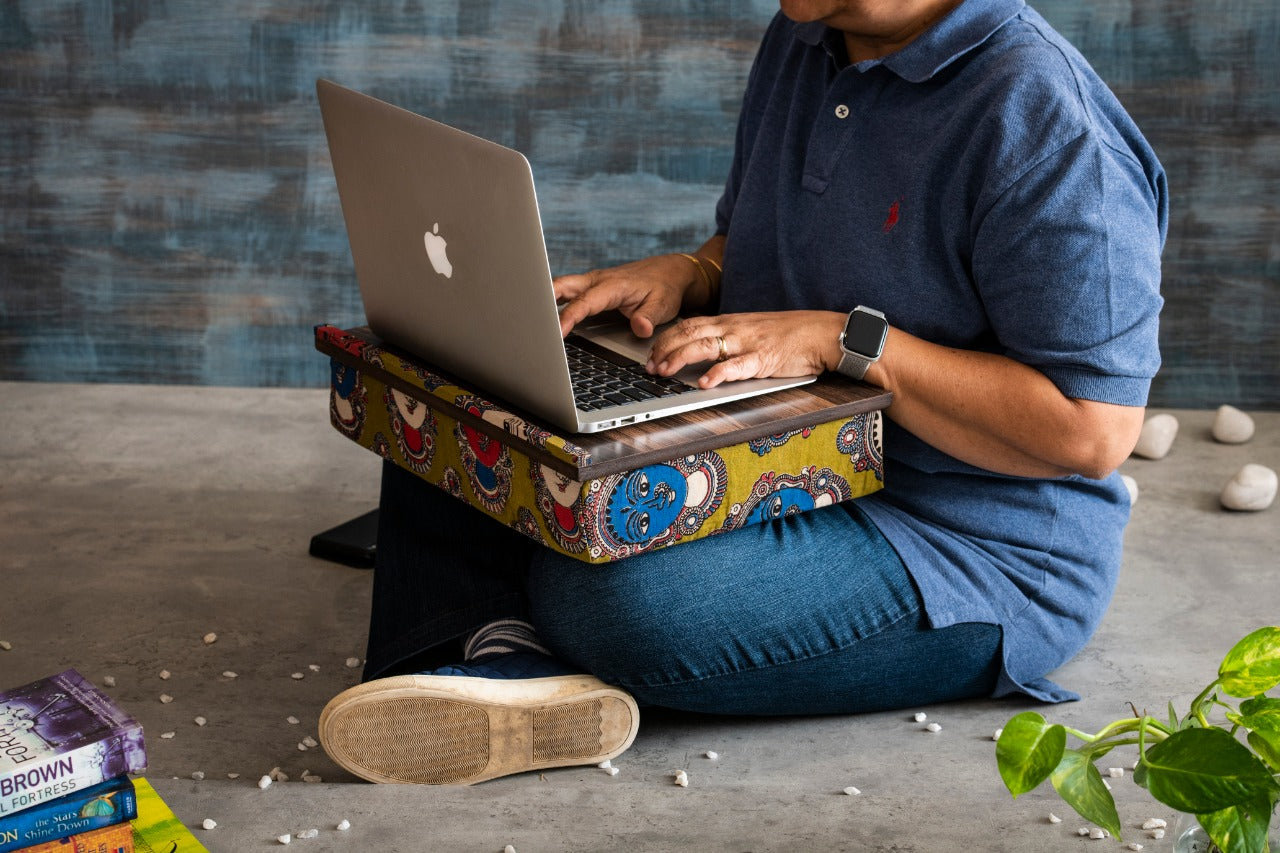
<point>436,251</point>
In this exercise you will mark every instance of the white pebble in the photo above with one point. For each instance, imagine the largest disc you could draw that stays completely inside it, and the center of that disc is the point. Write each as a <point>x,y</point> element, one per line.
<point>284,839</point>
<point>1154,823</point>
<point>921,716</point>
<point>311,777</point>
<point>1115,772</point>
<point>314,667</point>
<point>1053,818</point>
<point>1082,831</point>
<point>1157,834</point>
<point>200,721</point>
<point>210,638</point>
<point>1133,845</point>
<point>264,783</point>
<point>996,734</point>
<point>293,721</point>
<point>682,779</point>
<point>612,771</point>
<point>297,676</point>
<point>302,747</point>
<point>229,674</point>
<point>509,849</point>
<point>198,775</point>
<point>279,775</point>
<point>1096,833</point>
<point>933,727</point>
<point>8,647</point>
<point>209,823</point>
<point>309,833</point>
<point>352,663</point>
<point>1253,488</point>
<point>852,791</point>
<point>109,680</point>
<point>233,775</point>
<point>711,755</point>
<point>168,735</point>
<point>1232,426</point>
<point>1131,485</point>
<point>310,742</point>
<point>164,675</point>
<point>343,825</point>
<point>165,698</point>
<point>1156,437</point>
<point>605,765</point>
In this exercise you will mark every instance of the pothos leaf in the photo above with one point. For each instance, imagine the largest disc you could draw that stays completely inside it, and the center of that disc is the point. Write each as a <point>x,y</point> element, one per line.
<point>1252,667</point>
<point>1203,770</point>
<point>1241,828</point>
<point>1028,751</point>
<point>1080,784</point>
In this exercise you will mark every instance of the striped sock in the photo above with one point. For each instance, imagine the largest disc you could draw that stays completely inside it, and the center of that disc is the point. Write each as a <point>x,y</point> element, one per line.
<point>501,637</point>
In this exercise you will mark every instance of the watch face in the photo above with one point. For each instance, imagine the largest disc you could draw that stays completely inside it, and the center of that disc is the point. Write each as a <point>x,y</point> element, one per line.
<point>864,334</point>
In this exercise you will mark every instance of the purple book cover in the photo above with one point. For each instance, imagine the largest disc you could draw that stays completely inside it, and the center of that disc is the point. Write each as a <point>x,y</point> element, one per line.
<point>59,735</point>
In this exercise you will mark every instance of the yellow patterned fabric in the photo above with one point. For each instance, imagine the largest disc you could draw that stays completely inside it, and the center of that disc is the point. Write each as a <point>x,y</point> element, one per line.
<point>603,519</point>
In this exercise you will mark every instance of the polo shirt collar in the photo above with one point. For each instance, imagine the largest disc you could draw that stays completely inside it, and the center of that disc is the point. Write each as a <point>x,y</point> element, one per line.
<point>967,26</point>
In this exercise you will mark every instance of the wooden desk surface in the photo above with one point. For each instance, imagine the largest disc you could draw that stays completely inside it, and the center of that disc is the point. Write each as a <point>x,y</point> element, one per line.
<point>831,397</point>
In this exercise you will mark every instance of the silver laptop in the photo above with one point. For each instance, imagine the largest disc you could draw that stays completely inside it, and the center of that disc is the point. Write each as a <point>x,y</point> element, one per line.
<point>452,267</point>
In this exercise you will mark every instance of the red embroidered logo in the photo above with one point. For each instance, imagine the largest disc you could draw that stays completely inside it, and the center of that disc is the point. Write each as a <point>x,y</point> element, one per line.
<point>892,219</point>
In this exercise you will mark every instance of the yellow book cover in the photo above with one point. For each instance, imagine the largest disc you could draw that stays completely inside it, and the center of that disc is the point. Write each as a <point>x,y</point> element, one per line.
<point>156,828</point>
<point>107,839</point>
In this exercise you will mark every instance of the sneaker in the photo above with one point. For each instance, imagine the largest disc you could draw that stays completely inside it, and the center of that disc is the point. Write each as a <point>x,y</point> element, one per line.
<point>505,714</point>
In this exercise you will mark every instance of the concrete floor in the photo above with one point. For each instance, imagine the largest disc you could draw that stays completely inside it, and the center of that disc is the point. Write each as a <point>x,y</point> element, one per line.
<point>138,519</point>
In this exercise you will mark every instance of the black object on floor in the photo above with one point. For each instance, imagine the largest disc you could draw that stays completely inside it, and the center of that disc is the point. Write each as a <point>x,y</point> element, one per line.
<point>353,543</point>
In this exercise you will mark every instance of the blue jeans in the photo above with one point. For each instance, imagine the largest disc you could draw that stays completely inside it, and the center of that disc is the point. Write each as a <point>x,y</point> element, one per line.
<point>811,614</point>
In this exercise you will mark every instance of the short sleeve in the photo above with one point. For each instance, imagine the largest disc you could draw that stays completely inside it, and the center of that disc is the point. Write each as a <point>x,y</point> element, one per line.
<point>1067,263</point>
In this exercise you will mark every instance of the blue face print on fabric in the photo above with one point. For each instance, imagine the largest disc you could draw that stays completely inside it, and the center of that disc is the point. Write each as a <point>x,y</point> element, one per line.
<point>646,503</point>
<point>343,378</point>
<point>780,503</point>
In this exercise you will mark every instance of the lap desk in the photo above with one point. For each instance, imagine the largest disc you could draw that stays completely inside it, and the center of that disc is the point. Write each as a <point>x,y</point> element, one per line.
<point>609,495</point>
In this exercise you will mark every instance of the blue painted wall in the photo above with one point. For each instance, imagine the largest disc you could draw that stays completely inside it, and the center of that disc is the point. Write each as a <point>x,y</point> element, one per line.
<point>168,213</point>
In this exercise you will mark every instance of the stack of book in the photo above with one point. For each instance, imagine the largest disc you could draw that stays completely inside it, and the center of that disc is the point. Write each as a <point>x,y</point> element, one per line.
<point>66,752</point>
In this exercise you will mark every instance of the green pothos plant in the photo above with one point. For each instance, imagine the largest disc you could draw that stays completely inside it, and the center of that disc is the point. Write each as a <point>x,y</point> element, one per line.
<point>1188,763</point>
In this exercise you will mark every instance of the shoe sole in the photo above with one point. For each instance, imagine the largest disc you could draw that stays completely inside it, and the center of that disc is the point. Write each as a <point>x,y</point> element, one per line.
<point>458,730</point>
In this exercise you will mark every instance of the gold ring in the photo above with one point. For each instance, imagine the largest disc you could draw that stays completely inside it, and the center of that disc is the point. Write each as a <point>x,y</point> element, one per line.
<point>724,348</point>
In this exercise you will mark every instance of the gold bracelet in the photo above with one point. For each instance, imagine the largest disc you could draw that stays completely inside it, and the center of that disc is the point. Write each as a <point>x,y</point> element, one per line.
<point>706,277</point>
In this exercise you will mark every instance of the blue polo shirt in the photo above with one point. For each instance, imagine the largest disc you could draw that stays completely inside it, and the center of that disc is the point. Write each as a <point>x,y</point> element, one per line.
<point>985,190</point>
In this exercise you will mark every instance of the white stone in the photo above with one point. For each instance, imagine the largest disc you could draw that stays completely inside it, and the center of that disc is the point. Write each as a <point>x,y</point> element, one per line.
<point>682,779</point>
<point>352,663</point>
<point>264,782</point>
<point>164,675</point>
<point>228,674</point>
<point>605,765</point>
<point>309,833</point>
<point>934,727</point>
<point>8,647</point>
<point>1115,772</point>
<point>612,771</point>
<point>852,791</point>
<point>1132,486</point>
<point>1253,488</point>
<point>109,680</point>
<point>233,775</point>
<point>996,734</point>
<point>292,720</point>
<point>1053,818</point>
<point>1157,436</point>
<point>1154,823</point>
<point>1082,831</point>
<point>310,742</point>
<point>284,839</point>
<point>343,825</point>
<point>165,698</point>
<point>921,716</point>
<point>314,667</point>
<point>168,735</point>
<point>1133,845</point>
<point>210,638</point>
<point>1096,834</point>
<point>1157,834</point>
<point>209,823</point>
<point>1232,426</point>
<point>200,721</point>
<point>711,755</point>
<point>297,676</point>
<point>198,775</point>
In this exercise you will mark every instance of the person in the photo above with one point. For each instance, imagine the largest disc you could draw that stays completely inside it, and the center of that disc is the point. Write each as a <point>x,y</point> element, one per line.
<point>960,170</point>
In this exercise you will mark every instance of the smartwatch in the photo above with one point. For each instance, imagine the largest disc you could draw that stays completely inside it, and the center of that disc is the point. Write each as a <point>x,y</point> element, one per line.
<point>862,341</point>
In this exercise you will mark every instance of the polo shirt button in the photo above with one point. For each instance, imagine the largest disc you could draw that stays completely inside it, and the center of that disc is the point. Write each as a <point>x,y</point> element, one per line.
<point>842,111</point>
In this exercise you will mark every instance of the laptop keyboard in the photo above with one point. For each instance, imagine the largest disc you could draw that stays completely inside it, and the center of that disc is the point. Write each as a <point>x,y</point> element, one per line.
<point>602,378</point>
